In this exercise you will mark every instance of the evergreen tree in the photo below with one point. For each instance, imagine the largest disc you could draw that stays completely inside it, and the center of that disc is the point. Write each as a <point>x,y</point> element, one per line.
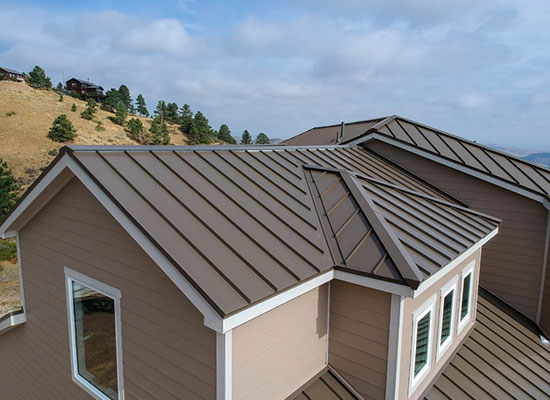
<point>262,138</point>
<point>131,109</point>
<point>121,113</point>
<point>124,96</point>
<point>73,107</point>
<point>62,129</point>
<point>38,79</point>
<point>185,112</point>
<point>246,138</point>
<point>161,110</point>
<point>172,113</point>
<point>225,135</point>
<point>204,130</point>
<point>111,100</point>
<point>8,189</point>
<point>186,124</point>
<point>59,86</point>
<point>91,109</point>
<point>136,131</point>
<point>141,106</point>
<point>192,132</point>
<point>159,132</point>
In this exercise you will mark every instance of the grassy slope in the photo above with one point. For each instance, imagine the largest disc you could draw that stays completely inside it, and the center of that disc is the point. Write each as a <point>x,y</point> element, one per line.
<point>23,141</point>
<point>9,287</point>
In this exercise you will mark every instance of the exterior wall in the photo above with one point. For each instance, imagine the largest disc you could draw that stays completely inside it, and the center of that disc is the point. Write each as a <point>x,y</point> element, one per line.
<point>512,261</point>
<point>277,352</point>
<point>545,310</point>
<point>358,338</point>
<point>168,353</point>
<point>410,305</point>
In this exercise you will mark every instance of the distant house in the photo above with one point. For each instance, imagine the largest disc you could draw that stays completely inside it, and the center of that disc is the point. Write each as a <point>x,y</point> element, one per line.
<point>85,88</point>
<point>11,74</point>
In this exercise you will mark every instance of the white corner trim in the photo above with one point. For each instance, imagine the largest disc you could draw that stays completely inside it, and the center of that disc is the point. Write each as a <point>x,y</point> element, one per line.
<point>13,321</point>
<point>449,267</point>
<point>544,271</point>
<point>378,284</point>
<point>224,365</point>
<point>328,323</point>
<point>394,347</point>
<point>114,294</point>
<point>456,166</point>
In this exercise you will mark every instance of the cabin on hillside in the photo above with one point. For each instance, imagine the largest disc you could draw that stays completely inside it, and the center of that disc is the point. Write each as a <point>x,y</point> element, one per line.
<point>85,88</point>
<point>320,272</point>
<point>11,74</point>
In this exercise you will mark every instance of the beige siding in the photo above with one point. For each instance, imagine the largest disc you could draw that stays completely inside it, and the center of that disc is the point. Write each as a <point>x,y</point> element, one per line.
<point>411,305</point>
<point>277,352</point>
<point>167,351</point>
<point>358,339</point>
<point>512,261</point>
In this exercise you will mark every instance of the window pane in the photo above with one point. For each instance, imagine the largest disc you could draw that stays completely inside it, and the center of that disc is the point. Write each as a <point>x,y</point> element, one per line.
<point>94,316</point>
<point>447,316</point>
<point>464,307</point>
<point>422,339</point>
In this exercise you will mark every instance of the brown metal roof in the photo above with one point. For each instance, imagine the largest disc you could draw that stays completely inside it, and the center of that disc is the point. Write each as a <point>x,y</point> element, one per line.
<point>501,359</point>
<point>379,229</point>
<point>482,159</point>
<point>328,386</point>
<point>240,223</point>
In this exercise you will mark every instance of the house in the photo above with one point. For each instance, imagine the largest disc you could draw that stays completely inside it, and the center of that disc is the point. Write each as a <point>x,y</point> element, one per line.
<point>237,272</point>
<point>11,74</point>
<point>85,88</point>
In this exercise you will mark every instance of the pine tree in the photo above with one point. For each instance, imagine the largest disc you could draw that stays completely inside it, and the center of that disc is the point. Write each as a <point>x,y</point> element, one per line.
<point>38,79</point>
<point>136,131</point>
<point>161,110</point>
<point>225,135</point>
<point>186,124</point>
<point>121,113</point>
<point>246,138</point>
<point>204,130</point>
<point>141,106</point>
<point>8,189</point>
<point>172,113</point>
<point>91,109</point>
<point>111,100</point>
<point>59,86</point>
<point>262,138</point>
<point>185,112</point>
<point>73,107</point>
<point>125,97</point>
<point>159,132</point>
<point>62,129</point>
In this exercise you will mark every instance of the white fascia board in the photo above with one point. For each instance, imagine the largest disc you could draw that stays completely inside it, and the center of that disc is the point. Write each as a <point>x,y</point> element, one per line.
<point>13,321</point>
<point>454,165</point>
<point>224,365</point>
<point>239,318</point>
<point>449,267</point>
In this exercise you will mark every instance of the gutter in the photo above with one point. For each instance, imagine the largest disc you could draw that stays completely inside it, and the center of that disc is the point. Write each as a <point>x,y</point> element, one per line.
<point>11,320</point>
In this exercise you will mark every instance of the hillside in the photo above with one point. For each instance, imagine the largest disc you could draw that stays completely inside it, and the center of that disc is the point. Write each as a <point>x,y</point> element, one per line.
<point>23,141</point>
<point>542,157</point>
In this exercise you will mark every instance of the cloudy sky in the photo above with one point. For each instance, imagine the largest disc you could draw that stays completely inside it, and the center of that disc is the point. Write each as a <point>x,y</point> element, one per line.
<point>479,69</point>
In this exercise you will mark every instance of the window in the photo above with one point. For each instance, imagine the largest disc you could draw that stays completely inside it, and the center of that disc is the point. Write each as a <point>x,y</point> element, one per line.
<point>466,296</point>
<point>446,317</point>
<point>94,327</point>
<point>422,343</point>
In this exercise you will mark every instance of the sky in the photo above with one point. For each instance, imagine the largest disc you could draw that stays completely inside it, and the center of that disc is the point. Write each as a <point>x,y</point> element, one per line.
<point>478,69</point>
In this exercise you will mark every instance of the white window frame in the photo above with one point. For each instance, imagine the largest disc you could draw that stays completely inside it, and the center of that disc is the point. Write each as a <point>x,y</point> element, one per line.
<point>470,269</point>
<point>442,348</point>
<point>109,291</point>
<point>418,314</point>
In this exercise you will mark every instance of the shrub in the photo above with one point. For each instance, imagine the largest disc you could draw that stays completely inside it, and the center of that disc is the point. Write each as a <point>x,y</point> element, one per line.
<point>8,189</point>
<point>99,127</point>
<point>73,107</point>
<point>136,131</point>
<point>62,129</point>
<point>60,98</point>
<point>10,113</point>
<point>8,250</point>
<point>91,109</point>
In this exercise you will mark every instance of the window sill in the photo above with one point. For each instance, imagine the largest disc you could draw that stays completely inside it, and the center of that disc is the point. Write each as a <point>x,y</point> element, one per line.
<point>11,320</point>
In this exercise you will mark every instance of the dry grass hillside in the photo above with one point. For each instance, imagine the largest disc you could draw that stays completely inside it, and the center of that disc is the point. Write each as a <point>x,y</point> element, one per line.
<point>26,115</point>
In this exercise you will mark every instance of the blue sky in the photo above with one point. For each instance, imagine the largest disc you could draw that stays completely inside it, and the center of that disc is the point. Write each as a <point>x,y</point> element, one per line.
<point>477,69</point>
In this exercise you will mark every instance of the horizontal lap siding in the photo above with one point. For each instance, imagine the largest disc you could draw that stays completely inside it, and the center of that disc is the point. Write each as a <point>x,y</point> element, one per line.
<point>168,353</point>
<point>518,249</point>
<point>275,353</point>
<point>358,339</point>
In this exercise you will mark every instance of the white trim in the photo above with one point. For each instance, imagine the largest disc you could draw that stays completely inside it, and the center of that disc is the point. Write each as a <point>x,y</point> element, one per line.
<point>452,286</point>
<point>378,284</point>
<point>449,267</point>
<point>467,170</point>
<point>544,271</point>
<point>13,321</point>
<point>462,322</point>
<point>224,365</point>
<point>21,290</point>
<point>394,346</point>
<point>328,321</point>
<point>418,314</point>
<point>115,294</point>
